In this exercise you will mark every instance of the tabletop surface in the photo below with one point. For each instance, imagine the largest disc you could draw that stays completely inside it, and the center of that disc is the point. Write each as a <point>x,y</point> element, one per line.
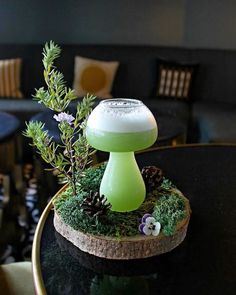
<point>205,263</point>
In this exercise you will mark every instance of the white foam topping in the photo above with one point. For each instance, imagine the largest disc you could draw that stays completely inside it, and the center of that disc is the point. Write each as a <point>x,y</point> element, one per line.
<point>121,115</point>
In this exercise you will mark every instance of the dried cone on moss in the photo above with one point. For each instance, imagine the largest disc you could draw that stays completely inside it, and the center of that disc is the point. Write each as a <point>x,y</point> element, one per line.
<point>96,205</point>
<point>152,176</point>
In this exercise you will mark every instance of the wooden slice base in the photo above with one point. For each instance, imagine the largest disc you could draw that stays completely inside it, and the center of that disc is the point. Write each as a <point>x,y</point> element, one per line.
<point>135,247</point>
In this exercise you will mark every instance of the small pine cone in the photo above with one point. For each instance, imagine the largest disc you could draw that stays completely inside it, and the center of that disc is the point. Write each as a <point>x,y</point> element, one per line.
<point>152,177</point>
<point>95,205</point>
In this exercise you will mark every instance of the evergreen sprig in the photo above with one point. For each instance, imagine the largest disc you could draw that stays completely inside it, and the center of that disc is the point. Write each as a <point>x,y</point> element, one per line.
<point>57,97</point>
<point>73,154</point>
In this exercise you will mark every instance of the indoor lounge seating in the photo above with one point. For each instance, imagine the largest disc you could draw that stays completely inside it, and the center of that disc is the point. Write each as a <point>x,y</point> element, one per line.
<point>210,99</point>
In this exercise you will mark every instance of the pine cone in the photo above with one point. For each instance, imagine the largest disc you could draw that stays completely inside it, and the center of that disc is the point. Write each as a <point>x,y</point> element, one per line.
<point>95,205</point>
<point>152,177</point>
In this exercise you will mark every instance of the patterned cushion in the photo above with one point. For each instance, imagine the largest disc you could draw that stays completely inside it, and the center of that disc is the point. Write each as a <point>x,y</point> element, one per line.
<point>175,79</point>
<point>10,70</point>
<point>94,77</point>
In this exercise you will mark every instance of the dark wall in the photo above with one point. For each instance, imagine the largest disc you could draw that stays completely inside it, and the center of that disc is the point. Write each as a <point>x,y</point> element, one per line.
<point>187,23</point>
<point>92,21</point>
<point>210,24</point>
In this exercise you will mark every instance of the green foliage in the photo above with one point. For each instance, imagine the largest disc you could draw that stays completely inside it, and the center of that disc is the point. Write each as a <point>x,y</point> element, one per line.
<point>169,210</point>
<point>115,224</point>
<point>44,143</point>
<point>92,178</point>
<point>165,205</point>
<point>74,154</point>
<point>57,97</point>
<point>166,184</point>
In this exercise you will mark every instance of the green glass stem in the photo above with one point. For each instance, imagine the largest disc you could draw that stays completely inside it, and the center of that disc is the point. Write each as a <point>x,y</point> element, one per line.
<point>122,182</point>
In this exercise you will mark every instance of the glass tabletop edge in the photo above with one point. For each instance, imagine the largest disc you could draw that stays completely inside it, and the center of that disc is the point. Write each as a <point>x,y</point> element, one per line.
<point>36,265</point>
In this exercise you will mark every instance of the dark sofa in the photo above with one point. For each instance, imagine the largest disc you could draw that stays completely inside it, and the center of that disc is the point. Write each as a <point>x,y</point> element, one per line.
<point>210,115</point>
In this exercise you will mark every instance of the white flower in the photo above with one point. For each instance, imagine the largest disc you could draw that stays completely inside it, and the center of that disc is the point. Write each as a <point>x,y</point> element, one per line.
<point>64,117</point>
<point>149,226</point>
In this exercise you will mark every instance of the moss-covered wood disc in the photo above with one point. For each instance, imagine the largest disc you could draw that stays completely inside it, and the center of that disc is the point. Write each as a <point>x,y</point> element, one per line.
<point>132,247</point>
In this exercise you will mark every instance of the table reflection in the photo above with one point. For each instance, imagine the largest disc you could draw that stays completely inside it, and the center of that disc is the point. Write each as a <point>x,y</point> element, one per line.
<point>67,270</point>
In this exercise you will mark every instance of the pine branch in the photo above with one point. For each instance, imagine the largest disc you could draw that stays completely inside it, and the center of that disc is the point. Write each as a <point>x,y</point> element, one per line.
<point>73,154</point>
<point>57,97</point>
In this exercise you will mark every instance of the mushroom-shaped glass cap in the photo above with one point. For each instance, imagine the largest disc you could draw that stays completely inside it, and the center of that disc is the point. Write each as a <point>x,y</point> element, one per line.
<point>121,125</point>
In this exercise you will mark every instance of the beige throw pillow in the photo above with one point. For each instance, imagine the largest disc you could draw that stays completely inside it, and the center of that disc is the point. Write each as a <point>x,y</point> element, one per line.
<point>10,70</point>
<point>94,76</point>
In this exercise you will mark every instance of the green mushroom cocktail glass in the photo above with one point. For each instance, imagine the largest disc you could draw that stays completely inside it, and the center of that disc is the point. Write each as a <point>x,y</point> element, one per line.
<point>122,126</point>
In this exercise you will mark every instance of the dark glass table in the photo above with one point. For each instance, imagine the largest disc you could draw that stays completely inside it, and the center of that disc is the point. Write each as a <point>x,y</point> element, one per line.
<point>205,263</point>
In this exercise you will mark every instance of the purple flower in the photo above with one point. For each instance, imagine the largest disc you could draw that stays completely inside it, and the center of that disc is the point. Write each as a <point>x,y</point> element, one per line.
<point>64,117</point>
<point>149,225</point>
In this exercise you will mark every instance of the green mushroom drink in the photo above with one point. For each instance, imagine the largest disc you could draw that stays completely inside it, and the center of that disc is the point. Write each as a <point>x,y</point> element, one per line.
<point>122,126</point>
<point>121,142</point>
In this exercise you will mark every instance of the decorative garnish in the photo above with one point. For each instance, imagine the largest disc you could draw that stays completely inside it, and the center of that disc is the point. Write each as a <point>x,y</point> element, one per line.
<point>64,117</point>
<point>167,207</point>
<point>91,178</point>
<point>95,205</point>
<point>149,225</point>
<point>57,96</point>
<point>73,154</point>
<point>169,210</point>
<point>152,177</point>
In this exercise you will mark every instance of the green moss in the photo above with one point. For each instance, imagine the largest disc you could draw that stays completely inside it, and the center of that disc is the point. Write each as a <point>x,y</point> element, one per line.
<point>92,178</point>
<point>167,184</point>
<point>115,224</point>
<point>163,203</point>
<point>169,210</point>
